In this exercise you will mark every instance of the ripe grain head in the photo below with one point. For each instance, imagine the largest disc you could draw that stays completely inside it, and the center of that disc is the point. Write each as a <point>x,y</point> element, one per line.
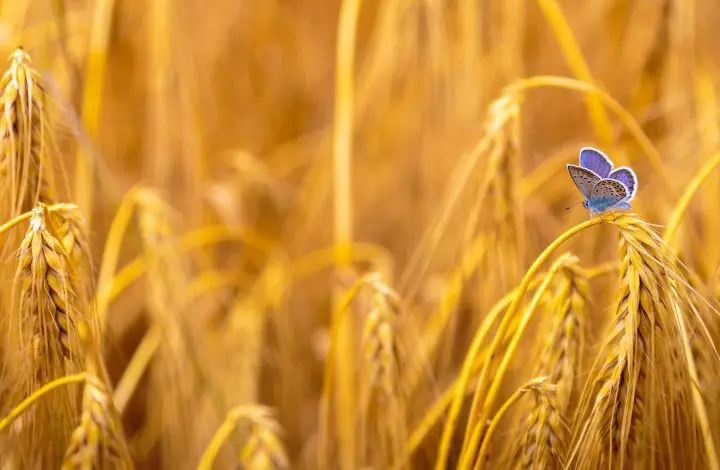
<point>48,299</point>
<point>46,315</point>
<point>174,370</point>
<point>561,358</point>
<point>263,448</point>
<point>640,381</point>
<point>98,442</point>
<point>24,167</point>
<point>383,399</point>
<point>544,439</point>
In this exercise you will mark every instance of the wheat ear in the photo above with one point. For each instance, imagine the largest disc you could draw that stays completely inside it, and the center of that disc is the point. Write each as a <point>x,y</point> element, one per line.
<point>562,356</point>
<point>98,443</point>
<point>48,311</point>
<point>263,449</point>
<point>382,396</point>
<point>23,161</point>
<point>630,408</point>
<point>545,437</point>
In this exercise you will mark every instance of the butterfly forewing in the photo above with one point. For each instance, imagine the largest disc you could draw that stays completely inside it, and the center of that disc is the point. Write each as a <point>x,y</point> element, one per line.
<point>584,179</point>
<point>595,161</point>
<point>627,177</point>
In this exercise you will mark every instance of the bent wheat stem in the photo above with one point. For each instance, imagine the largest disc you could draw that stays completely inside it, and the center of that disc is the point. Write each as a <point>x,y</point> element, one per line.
<point>42,391</point>
<point>646,145</point>
<point>498,376</point>
<point>557,21</point>
<point>519,393</point>
<point>444,450</point>
<point>687,195</point>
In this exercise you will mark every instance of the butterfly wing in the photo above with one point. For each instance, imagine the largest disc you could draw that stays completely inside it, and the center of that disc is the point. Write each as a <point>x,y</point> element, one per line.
<point>595,161</point>
<point>627,177</point>
<point>606,194</point>
<point>584,179</point>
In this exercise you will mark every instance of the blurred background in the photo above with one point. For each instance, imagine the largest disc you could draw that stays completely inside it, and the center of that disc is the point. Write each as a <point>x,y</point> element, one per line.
<point>321,141</point>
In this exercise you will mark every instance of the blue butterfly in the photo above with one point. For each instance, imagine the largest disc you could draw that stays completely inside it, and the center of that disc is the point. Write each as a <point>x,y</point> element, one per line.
<point>604,188</point>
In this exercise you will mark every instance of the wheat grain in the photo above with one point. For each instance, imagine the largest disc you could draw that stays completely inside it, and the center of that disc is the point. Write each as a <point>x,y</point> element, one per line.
<point>70,227</point>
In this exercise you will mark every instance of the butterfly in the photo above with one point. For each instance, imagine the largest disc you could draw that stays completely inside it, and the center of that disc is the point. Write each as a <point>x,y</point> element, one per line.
<point>604,188</point>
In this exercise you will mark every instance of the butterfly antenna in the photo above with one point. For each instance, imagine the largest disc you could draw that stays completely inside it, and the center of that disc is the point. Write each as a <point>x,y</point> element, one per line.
<point>571,206</point>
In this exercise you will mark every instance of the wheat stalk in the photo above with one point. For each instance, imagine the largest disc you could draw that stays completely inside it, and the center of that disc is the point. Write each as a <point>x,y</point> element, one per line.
<point>613,425</point>
<point>560,356</point>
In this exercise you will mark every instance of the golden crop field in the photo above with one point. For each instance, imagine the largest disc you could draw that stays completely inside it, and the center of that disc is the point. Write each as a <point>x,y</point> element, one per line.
<point>344,235</point>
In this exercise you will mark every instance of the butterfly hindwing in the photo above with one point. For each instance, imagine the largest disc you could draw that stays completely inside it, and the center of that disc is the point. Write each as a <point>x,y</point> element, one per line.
<point>595,161</point>
<point>627,177</point>
<point>606,194</point>
<point>584,179</point>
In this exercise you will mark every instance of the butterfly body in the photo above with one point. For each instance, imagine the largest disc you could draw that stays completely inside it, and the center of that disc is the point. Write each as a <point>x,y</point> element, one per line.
<point>604,188</point>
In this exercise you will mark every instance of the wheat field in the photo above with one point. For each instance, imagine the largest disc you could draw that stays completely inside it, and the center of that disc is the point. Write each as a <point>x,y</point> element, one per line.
<point>341,235</point>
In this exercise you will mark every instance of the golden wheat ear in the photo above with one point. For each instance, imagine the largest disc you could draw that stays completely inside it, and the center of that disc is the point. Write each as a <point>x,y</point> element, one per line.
<point>562,356</point>
<point>98,443</point>
<point>384,358</point>
<point>545,436</point>
<point>175,366</point>
<point>263,447</point>
<point>47,312</point>
<point>48,299</point>
<point>24,166</point>
<point>629,409</point>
